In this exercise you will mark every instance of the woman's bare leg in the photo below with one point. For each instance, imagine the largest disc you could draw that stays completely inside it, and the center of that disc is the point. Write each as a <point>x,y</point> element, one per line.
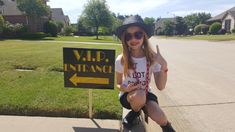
<point>137,99</point>
<point>155,113</point>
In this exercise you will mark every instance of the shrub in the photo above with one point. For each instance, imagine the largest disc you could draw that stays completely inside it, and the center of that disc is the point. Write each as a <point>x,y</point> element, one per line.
<point>1,24</point>
<point>201,29</point>
<point>233,31</point>
<point>68,30</point>
<point>215,27</point>
<point>38,35</point>
<point>51,28</point>
<point>13,30</point>
<point>60,26</point>
<point>19,29</point>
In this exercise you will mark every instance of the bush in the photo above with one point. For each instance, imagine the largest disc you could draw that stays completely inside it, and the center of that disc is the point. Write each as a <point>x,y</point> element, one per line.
<point>233,31</point>
<point>60,26</point>
<point>201,29</point>
<point>14,30</point>
<point>51,28</point>
<point>19,29</point>
<point>68,30</point>
<point>38,35</point>
<point>215,27</point>
<point>1,24</point>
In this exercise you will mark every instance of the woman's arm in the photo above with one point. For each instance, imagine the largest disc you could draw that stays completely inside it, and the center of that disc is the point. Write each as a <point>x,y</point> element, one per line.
<point>161,76</point>
<point>160,79</point>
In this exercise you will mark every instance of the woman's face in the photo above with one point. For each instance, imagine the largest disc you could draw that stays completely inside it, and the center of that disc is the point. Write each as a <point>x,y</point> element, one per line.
<point>134,37</point>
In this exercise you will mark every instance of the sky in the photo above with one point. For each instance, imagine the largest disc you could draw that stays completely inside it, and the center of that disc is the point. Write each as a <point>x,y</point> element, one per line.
<point>147,8</point>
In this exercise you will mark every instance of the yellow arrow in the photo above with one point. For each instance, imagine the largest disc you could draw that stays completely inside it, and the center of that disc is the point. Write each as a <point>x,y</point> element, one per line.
<point>92,80</point>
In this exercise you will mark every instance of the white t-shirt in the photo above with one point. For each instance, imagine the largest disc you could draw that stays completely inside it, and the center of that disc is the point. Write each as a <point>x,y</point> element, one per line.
<point>140,71</point>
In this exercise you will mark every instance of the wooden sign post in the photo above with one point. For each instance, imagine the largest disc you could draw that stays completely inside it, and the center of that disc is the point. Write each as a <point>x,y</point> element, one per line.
<point>89,68</point>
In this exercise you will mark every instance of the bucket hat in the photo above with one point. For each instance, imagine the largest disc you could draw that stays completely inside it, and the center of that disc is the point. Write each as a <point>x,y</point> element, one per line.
<point>135,20</point>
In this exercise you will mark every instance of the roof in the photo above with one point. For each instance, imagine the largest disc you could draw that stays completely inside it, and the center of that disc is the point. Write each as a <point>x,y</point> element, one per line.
<point>58,15</point>
<point>10,8</point>
<point>222,15</point>
<point>232,13</point>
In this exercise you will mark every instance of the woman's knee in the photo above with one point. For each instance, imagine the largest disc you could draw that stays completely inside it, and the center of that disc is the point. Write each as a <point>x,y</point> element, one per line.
<point>137,99</point>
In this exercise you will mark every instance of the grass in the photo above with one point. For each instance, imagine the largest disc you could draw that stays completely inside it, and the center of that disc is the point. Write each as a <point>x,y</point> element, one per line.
<point>102,39</point>
<point>207,37</point>
<point>41,92</point>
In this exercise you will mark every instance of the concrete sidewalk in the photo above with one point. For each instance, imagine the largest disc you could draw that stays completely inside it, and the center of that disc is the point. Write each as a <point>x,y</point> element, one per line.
<point>199,95</point>
<point>55,124</point>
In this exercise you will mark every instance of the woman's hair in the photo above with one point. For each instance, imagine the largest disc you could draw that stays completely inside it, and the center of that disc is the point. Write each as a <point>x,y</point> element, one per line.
<point>127,61</point>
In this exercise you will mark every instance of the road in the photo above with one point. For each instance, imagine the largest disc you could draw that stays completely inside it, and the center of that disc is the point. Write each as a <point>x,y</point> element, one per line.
<point>200,92</point>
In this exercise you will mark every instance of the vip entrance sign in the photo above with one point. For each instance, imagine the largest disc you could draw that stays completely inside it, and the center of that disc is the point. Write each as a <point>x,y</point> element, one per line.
<point>89,68</point>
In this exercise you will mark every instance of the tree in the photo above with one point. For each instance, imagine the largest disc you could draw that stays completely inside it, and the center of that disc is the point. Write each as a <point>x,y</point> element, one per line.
<point>168,27</point>
<point>68,30</point>
<point>51,28</point>
<point>203,17</point>
<point>116,23</point>
<point>149,20</point>
<point>180,26</point>
<point>34,9</point>
<point>196,19</point>
<point>82,28</point>
<point>60,26</point>
<point>96,14</point>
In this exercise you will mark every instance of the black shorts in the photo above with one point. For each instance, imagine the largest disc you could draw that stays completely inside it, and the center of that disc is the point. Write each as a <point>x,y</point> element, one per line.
<point>126,104</point>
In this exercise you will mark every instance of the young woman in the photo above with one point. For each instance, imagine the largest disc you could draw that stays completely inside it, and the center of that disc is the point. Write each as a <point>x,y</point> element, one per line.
<point>134,68</point>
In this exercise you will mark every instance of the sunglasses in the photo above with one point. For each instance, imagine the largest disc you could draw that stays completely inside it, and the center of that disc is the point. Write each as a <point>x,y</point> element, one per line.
<point>138,35</point>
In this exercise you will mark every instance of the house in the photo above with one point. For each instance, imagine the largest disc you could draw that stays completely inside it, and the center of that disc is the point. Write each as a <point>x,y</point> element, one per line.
<point>159,25</point>
<point>57,14</point>
<point>227,19</point>
<point>12,14</point>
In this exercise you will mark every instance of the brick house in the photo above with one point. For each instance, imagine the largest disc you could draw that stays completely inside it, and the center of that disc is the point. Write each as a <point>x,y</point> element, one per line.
<point>227,19</point>
<point>12,14</point>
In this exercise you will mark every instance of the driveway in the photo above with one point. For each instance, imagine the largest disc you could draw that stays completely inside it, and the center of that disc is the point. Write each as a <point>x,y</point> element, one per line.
<point>200,92</point>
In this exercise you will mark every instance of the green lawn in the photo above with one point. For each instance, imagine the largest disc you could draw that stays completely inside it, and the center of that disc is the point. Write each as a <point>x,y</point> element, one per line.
<point>102,39</point>
<point>41,92</point>
<point>206,37</point>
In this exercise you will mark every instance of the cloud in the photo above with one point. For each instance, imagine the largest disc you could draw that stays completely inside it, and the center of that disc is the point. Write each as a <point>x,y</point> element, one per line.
<point>150,8</point>
<point>67,4</point>
<point>128,7</point>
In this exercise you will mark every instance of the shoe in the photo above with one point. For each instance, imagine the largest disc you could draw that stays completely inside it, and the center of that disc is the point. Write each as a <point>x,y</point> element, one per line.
<point>128,121</point>
<point>167,128</point>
